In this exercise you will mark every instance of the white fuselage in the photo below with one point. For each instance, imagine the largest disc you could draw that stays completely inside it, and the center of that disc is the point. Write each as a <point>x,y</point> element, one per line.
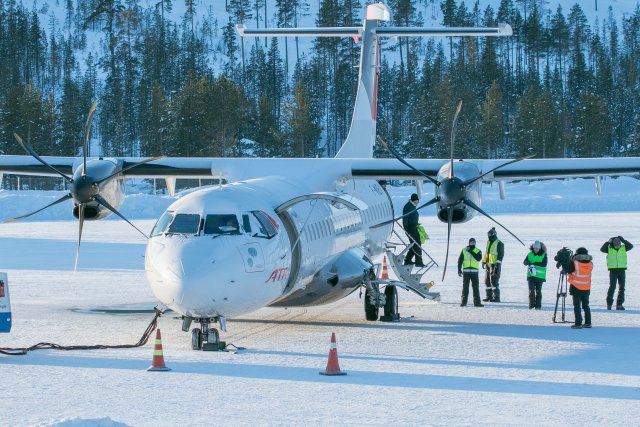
<point>224,251</point>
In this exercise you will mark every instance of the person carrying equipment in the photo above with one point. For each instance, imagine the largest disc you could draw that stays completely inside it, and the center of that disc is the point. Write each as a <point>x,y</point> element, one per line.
<point>536,262</point>
<point>468,263</point>
<point>492,263</point>
<point>616,249</point>
<point>410,225</point>
<point>580,278</point>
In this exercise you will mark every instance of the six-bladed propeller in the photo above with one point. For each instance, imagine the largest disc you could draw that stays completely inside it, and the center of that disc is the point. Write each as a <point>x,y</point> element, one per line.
<point>84,189</point>
<point>451,191</point>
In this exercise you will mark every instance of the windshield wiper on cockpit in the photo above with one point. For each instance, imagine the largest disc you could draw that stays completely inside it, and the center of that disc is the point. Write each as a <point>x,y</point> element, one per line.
<point>263,236</point>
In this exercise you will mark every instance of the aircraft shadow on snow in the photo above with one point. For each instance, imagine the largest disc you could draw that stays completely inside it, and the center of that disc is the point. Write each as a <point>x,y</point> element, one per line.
<point>370,378</point>
<point>51,254</point>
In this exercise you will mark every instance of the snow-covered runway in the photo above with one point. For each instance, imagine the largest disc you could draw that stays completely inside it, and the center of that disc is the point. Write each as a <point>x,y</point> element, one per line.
<point>441,365</point>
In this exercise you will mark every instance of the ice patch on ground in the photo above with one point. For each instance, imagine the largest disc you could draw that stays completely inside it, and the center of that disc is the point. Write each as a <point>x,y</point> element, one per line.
<point>86,422</point>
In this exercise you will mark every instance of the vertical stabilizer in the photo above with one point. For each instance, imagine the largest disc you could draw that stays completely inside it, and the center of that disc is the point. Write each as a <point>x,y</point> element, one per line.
<point>362,133</point>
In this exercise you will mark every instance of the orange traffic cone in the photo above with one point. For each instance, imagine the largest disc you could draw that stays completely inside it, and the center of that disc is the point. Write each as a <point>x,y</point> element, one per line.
<point>384,274</point>
<point>157,364</point>
<point>333,368</point>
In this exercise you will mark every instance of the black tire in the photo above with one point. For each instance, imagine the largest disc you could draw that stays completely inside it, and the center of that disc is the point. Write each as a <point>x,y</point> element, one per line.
<point>370,310</point>
<point>391,304</point>
<point>196,339</point>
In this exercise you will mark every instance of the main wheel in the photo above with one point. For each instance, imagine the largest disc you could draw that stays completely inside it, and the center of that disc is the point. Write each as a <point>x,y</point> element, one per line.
<point>391,304</point>
<point>213,337</point>
<point>370,310</point>
<point>196,339</point>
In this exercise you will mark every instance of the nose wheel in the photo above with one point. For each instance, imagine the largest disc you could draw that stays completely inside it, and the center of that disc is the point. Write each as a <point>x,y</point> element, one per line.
<point>205,337</point>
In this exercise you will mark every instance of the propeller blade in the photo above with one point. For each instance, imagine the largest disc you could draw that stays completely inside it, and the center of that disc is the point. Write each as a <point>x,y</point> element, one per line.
<point>30,150</point>
<point>85,139</point>
<point>430,202</point>
<point>453,137</point>
<point>449,219</point>
<point>150,159</point>
<point>104,203</point>
<point>477,208</point>
<point>471,181</point>
<point>404,162</point>
<point>80,224</point>
<point>60,200</point>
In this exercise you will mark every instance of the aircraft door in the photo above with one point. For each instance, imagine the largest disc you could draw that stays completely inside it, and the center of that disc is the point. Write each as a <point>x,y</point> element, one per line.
<point>296,252</point>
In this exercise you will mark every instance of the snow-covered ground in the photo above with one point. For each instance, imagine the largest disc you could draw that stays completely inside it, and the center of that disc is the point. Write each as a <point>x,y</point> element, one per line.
<point>440,365</point>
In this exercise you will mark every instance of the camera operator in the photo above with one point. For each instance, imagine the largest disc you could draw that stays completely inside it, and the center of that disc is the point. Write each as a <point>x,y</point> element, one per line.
<point>580,278</point>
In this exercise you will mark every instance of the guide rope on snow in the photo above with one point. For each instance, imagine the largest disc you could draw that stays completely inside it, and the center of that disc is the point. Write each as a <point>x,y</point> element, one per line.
<point>44,345</point>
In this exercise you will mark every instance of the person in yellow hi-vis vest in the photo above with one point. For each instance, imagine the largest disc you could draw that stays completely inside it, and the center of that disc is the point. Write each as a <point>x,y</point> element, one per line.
<point>536,262</point>
<point>492,262</point>
<point>468,263</point>
<point>616,249</point>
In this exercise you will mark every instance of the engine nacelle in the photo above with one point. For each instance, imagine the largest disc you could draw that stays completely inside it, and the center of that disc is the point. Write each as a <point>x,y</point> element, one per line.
<point>452,191</point>
<point>111,190</point>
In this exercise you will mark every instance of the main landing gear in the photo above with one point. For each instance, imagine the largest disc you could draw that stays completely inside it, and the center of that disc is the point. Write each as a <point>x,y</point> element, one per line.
<point>374,300</point>
<point>204,337</point>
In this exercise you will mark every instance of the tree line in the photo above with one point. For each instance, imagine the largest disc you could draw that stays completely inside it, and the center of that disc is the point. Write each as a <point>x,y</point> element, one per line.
<point>560,87</point>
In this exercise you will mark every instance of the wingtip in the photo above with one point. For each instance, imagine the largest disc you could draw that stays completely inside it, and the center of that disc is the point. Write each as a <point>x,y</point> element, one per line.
<point>505,29</point>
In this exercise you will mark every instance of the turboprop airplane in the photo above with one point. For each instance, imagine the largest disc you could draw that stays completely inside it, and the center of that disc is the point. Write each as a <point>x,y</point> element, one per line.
<point>292,232</point>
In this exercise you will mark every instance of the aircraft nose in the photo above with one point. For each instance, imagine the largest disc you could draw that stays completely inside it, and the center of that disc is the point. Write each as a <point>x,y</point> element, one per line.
<point>204,277</point>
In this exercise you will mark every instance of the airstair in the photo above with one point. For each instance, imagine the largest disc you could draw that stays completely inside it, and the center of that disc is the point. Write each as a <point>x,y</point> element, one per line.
<point>409,276</point>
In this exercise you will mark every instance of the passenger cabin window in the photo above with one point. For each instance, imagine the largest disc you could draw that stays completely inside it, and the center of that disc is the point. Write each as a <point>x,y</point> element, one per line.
<point>185,224</point>
<point>162,224</point>
<point>221,224</point>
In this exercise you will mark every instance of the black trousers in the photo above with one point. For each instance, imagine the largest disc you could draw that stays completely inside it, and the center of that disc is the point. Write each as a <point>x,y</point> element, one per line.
<point>416,249</point>
<point>492,282</point>
<point>581,298</point>
<point>616,275</point>
<point>535,292</point>
<point>468,277</point>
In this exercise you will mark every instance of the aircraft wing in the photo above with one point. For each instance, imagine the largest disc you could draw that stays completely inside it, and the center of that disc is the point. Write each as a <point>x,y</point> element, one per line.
<point>522,170</point>
<point>234,169</point>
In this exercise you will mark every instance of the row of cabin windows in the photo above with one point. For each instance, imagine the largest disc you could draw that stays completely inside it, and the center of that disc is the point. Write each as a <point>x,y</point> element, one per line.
<point>345,222</point>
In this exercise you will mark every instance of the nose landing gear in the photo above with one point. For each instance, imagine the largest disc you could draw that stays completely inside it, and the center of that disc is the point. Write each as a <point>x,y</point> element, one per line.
<point>204,337</point>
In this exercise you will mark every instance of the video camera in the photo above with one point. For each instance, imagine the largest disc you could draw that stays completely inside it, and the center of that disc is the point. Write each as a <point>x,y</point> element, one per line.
<point>563,259</point>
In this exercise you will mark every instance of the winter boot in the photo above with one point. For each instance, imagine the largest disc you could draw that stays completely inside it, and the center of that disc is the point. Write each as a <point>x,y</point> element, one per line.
<point>619,307</point>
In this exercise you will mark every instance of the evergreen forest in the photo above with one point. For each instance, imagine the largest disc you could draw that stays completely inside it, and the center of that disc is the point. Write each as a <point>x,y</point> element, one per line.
<point>560,87</point>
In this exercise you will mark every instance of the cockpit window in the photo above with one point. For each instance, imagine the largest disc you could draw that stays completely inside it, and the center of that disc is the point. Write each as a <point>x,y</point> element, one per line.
<point>268,227</point>
<point>221,224</point>
<point>162,224</point>
<point>185,224</point>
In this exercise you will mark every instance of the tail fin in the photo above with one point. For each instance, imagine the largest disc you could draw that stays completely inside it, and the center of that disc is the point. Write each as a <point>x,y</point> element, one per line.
<point>362,134</point>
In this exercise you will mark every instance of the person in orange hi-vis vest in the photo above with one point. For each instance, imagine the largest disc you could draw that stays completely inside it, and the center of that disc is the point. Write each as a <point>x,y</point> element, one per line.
<point>580,278</point>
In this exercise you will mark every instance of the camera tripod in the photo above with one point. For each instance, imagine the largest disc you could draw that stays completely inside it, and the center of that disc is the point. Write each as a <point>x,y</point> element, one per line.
<point>561,293</point>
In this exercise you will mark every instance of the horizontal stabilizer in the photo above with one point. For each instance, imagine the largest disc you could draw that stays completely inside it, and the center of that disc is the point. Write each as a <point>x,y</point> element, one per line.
<point>501,30</point>
<point>288,32</point>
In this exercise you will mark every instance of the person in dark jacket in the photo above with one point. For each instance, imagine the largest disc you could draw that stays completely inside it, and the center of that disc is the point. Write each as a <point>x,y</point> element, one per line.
<point>492,262</point>
<point>536,262</point>
<point>468,263</point>
<point>580,278</point>
<point>410,225</point>
<point>616,249</point>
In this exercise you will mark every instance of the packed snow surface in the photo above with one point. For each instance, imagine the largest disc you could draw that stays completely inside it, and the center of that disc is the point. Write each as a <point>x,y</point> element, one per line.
<point>442,364</point>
